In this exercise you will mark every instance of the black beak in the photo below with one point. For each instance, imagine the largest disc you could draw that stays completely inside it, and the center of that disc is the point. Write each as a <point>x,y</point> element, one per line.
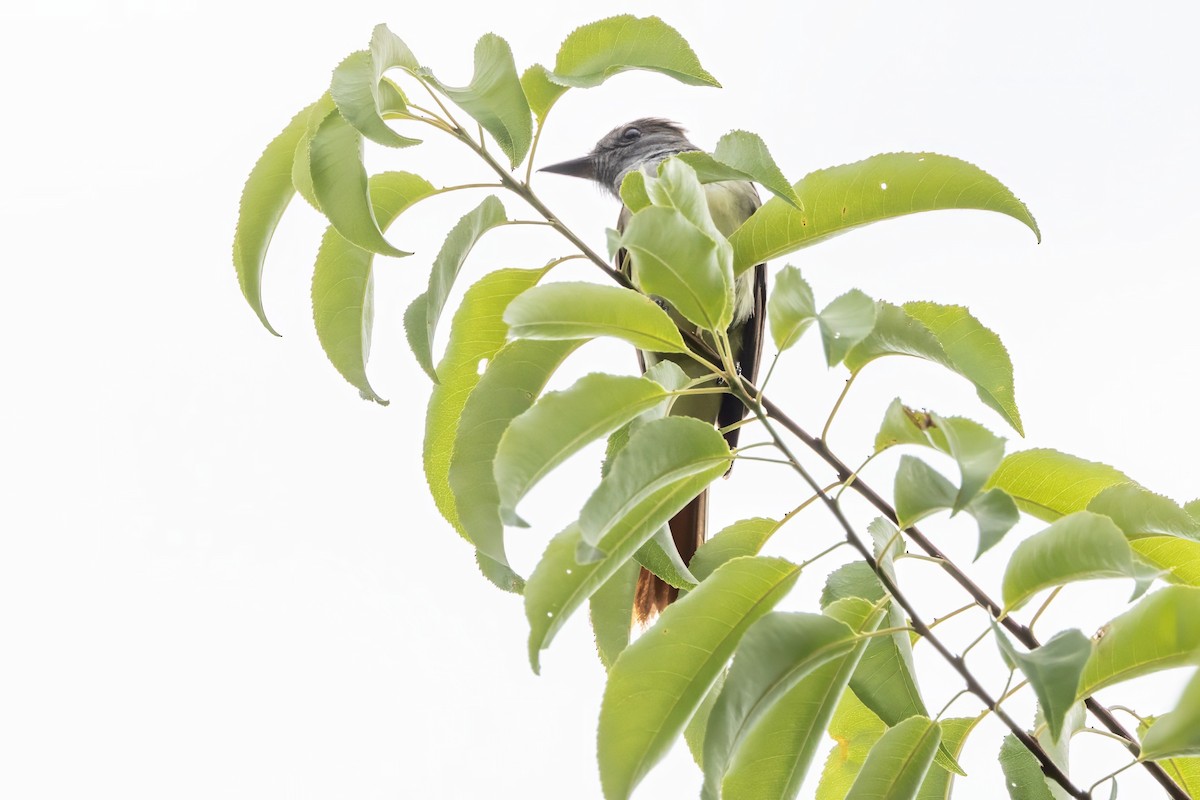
<point>584,167</point>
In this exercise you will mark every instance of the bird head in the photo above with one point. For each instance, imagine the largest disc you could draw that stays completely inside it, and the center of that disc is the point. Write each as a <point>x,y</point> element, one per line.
<point>625,148</point>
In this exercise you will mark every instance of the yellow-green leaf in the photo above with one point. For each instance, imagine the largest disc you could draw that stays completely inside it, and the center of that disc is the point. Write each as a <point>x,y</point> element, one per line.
<point>595,52</point>
<point>342,294</point>
<point>881,187</point>
<point>1160,632</point>
<point>265,197</point>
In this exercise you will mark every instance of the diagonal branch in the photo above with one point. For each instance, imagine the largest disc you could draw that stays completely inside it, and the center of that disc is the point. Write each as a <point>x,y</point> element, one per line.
<point>768,411</point>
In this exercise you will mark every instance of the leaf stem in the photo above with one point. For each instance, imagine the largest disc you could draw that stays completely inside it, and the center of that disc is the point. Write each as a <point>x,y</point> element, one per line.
<point>837,405</point>
<point>1042,609</point>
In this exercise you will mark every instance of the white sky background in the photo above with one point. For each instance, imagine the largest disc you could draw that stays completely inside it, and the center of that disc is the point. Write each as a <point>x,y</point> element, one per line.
<point>221,574</point>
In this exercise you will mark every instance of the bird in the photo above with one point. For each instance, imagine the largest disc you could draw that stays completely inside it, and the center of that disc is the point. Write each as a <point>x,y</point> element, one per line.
<point>644,144</point>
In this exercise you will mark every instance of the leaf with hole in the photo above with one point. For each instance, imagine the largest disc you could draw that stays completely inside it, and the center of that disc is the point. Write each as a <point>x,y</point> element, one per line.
<point>838,199</point>
<point>477,332</point>
<point>1160,632</point>
<point>660,454</point>
<point>426,310</point>
<point>514,378</point>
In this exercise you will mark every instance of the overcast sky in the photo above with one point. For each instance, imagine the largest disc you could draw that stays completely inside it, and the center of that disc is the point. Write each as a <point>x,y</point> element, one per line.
<point>220,572</point>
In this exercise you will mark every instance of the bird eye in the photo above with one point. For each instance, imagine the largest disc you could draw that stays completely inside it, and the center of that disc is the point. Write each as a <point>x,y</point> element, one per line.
<point>630,134</point>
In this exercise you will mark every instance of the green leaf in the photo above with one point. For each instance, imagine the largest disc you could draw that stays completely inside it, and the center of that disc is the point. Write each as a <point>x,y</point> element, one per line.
<point>791,308</point>
<point>1048,484</point>
<point>1184,771</point>
<point>696,729</point>
<point>513,380</point>
<point>573,310</point>
<point>946,335</point>
<point>446,266</point>
<point>844,323</point>
<point>1179,559</point>
<point>675,185</point>
<point>265,197</point>
<point>362,98</point>
<point>341,187</point>
<point>633,194</point>
<point>920,490</point>
<point>646,707</point>
<point>748,153</point>
<point>660,454</point>
<point>342,294</point>
<point>1160,632</point>
<point>776,753</point>
<point>881,187</point>
<point>1022,773</point>
<point>494,98</point>
<point>301,167</point>
<point>560,582</point>
<point>855,579</point>
<point>897,334</point>
<point>898,762</point>
<point>559,425</point>
<point>1176,733</point>
<point>541,92</point>
<point>903,425</point>
<point>885,679</point>
<point>1079,547</point>
<point>996,514</point>
<point>1052,669</point>
<point>611,612</point>
<point>976,450</point>
<point>854,729</point>
<point>501,575</point>
<point>1141,513</point>
<point>477,332</point>
<point>775,654</point>
<point>661,556</point>
<point>679,262</point>
<point>743,538</point>
<point>595,52</point>
<point>977,353</point>
<point>938,782</point>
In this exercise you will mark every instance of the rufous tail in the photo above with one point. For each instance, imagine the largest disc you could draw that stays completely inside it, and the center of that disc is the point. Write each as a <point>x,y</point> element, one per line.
<point>688,529</point>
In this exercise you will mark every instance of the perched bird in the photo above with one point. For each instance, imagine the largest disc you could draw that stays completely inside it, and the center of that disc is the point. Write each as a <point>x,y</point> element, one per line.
<point>643,144</point>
